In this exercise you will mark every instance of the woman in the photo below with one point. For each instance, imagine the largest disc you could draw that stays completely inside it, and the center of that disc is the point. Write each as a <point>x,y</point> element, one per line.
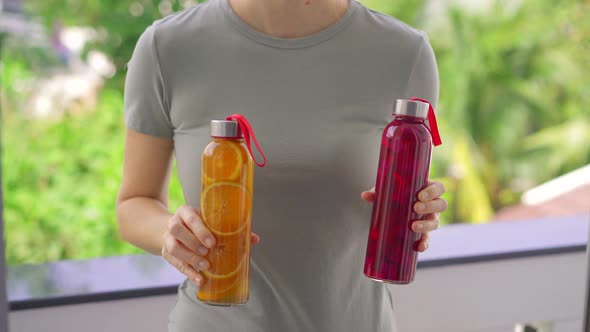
<point>317,79</point>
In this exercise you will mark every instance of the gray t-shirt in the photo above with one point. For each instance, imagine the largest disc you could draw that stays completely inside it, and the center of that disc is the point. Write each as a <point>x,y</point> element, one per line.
<point>318,105</point>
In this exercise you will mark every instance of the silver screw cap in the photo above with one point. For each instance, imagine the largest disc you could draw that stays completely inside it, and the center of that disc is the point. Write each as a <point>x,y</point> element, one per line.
<point>224,128</point>
<point>413,108</point>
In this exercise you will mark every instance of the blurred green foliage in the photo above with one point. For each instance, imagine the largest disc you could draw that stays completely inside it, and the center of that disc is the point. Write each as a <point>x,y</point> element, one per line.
<point>60,182</point>
<point>61,175</point>
<point>514,100</point>
<point>118,24</point>
<point>514,93</point>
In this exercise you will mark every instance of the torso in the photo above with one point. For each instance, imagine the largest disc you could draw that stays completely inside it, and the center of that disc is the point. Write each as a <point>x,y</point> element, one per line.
<point>318,106</point>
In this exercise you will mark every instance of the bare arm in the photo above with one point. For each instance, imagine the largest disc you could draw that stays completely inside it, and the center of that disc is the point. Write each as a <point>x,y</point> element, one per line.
<point>142,203</point>
<point>142,208</point>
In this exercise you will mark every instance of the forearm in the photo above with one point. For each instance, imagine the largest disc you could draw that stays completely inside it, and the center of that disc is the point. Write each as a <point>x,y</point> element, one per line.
<point>142,222</point>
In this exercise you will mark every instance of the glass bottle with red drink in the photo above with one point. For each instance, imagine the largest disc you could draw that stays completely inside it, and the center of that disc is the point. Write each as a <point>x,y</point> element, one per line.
<point>404,165</point>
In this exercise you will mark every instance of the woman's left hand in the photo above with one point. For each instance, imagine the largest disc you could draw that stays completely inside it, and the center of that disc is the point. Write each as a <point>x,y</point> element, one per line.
<point>430,204</point>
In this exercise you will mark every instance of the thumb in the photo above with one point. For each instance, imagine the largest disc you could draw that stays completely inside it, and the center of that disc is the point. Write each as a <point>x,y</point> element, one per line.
<point>254,238</point>
<point>369,195</point>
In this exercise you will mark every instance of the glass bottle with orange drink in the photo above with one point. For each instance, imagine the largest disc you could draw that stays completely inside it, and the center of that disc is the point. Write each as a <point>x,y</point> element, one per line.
<point>226,208</point>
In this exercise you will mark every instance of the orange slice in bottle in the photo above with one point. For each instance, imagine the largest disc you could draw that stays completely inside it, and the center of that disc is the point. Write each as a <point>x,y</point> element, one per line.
<point>224,162</point>
<point>226,208</point>
<point>216,289</point>
<point>227,258</point>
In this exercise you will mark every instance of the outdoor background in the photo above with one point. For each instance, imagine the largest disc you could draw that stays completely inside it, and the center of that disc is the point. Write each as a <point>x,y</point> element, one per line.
<point>513,109</point>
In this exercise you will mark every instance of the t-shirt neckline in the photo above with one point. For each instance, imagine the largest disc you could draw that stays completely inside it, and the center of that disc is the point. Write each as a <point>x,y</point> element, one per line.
<point>278,42</point>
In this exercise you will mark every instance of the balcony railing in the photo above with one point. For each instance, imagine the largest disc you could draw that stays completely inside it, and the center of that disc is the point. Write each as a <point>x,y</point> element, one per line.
<point>474,278</point>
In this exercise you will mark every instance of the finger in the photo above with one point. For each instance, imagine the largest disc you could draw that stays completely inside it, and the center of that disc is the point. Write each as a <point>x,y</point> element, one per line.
<point>429,223</point>
<point>254,238</point>
<point>193,221</point>
<point>369,195</point>
<point>179,251</point>
<point>433,191</point>
<point>190,272</point>
<point>181,232</point>
<point>423,242</point>
<point>435,206</point>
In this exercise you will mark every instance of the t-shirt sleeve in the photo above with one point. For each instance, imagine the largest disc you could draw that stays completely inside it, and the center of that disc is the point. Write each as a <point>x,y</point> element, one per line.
<point>146,103</point>
<point>423,81</point>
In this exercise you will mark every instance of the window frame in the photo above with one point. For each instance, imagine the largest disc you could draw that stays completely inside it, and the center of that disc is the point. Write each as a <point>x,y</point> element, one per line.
<point>586,314</point>
<point>3,293</point>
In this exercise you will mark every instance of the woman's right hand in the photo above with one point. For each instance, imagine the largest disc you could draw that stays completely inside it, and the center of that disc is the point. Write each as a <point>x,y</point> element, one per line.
<point>187,241</point>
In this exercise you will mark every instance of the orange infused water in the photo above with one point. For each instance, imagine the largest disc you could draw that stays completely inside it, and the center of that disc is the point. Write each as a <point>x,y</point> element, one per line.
<point>226,209</point>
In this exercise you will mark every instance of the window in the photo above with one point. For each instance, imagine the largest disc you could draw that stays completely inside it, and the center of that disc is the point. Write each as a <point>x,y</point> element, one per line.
<point>62,85</point>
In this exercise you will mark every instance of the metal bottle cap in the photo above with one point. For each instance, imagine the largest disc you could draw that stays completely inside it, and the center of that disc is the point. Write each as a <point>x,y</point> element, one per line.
<point>413,108</point>
<point>224,128</point>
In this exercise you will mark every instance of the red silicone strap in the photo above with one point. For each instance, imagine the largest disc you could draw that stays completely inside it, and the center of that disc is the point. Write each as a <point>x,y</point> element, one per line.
<point>436,140</point>
<point>248,132</point>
